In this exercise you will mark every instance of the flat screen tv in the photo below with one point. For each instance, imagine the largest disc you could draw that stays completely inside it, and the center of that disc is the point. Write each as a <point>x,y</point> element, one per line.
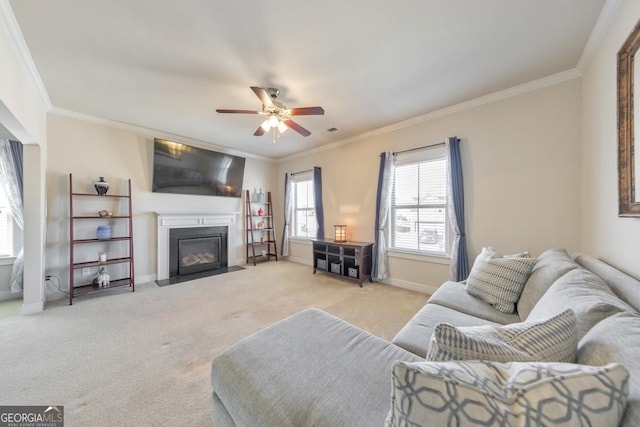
<point>182,169</point>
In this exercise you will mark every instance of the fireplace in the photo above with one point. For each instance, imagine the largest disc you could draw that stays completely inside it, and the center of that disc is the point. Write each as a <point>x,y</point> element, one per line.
<point>169,223</point>
<point>197,249</point>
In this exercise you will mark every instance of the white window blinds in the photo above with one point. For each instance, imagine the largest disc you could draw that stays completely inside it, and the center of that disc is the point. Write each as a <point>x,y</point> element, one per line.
<point>305,225</point>
<point>419,221</point>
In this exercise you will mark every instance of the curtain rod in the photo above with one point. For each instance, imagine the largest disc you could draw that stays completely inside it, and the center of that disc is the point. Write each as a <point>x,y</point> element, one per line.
<point>296,173</point>
<point>417,148</point>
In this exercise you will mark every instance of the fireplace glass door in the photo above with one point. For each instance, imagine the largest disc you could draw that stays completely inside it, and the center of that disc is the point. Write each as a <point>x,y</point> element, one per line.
<point>197,249</point>
<point>198,254</point>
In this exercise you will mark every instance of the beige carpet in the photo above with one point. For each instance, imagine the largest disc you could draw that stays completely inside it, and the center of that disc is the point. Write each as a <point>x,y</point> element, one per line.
<point>10,308</point>
<point>143,358</point>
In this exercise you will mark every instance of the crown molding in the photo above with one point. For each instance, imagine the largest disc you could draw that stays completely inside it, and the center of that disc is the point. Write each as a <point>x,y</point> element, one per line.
<point>9,19</point>
<point>487,99</point>
<point>473,103</point>
<point>607,13</point>
<point>153,133</point>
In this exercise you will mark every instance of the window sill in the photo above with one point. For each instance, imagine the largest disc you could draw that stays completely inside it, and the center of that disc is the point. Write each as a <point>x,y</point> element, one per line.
<point>436,259</point>
<point>7,260</point>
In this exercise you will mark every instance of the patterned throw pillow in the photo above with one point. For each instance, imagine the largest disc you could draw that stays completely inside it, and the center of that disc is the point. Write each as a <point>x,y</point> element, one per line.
<point>554,339</point>
<point>482,393</point>
<point>499,280</point>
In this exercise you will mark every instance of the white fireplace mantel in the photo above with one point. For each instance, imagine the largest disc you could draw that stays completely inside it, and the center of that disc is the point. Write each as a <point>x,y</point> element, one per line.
<point>168,221</point>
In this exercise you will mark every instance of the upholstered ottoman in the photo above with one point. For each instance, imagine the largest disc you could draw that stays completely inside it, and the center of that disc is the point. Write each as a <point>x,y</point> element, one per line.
<point>309,369</point>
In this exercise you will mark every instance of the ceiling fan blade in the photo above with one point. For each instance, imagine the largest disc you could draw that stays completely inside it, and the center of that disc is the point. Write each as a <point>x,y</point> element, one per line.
<point>222,110</point>
<point>306,111</point>
<point>259,131</point>
<point>263,95</point>
<point>293,125</point>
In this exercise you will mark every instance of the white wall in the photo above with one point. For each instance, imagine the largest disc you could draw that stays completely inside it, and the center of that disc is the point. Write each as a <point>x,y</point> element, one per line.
<point>521,160</point>
<point>604,234</point>
<point>23,112</point>
<point>90,150</point>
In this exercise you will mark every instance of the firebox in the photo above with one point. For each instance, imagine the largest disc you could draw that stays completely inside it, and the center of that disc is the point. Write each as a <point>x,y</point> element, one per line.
<point>194,250</point>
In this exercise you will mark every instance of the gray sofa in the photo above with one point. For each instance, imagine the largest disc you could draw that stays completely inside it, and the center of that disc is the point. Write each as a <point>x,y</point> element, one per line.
<point>313,369</point>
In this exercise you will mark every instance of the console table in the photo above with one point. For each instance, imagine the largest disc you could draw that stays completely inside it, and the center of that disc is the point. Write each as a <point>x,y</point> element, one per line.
<point>348,260</point>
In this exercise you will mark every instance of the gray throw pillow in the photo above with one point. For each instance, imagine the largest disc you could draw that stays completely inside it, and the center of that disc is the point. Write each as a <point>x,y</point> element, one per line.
<point>616,340</point>
<point>482,393</point>
<point>550,266</point>
<point>549,340</point>
<point>499,280</point>
<point>588,296</point>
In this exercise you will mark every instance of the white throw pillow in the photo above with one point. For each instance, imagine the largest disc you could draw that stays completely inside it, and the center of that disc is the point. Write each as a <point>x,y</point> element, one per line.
<point>554,339</point>
<point>499,280</point>
<point>482,393</point>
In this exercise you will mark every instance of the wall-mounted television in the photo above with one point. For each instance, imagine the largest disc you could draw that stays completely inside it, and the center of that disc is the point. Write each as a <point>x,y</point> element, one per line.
<point>183,169</point>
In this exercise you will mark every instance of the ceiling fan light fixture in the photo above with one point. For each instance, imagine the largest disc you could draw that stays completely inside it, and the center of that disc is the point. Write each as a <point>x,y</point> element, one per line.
<point>278,116</point>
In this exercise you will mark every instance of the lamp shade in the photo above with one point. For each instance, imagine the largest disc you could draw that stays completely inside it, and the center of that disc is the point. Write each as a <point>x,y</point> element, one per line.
<point>340,233</point>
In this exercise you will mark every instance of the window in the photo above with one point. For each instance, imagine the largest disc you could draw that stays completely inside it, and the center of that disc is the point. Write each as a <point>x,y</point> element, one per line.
<point>419,219</point>
<point>6,226</point>
<point>305,225</point>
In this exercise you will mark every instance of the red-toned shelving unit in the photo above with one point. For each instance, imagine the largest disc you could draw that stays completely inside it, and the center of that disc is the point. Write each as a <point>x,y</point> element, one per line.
<point>261,238</point>
<point>76,243</point>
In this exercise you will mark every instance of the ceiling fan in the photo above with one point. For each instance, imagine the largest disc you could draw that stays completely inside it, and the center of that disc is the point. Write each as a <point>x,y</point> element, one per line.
<point>278,116</point>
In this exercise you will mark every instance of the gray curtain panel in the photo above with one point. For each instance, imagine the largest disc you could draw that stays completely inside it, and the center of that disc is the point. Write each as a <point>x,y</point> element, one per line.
<point>288,213</point>
<point>459,267</point>
<point>11,167</point>
<point>317,194</point>
<point>380,267</point>
<point>16,155</point>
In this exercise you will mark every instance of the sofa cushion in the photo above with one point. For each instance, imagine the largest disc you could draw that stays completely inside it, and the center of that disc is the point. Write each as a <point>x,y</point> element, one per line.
<point>482,393</point>
<point>623,285</point>
<point>549,340</point>
<point>454,295</point>
<point>587,295</point>
<point>617,339</point>
<point>415,335</point>
<point>309,369</point>
<point>499,280</point>
<point>549,267</point>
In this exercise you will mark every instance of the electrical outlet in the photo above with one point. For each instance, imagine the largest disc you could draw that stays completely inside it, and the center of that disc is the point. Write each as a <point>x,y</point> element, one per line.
<point>86,271</point>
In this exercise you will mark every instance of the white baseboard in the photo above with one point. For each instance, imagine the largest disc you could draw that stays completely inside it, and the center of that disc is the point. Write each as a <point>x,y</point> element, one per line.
<point>239,261</point>
<point>146,278</point>
<point>33,308</point>
<point>7,295</point>
<point>412,286</point>
<point>399,283</point>
<point>298,260</point>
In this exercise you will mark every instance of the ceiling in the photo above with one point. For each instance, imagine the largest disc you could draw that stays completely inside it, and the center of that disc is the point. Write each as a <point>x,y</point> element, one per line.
<point>167,65</point>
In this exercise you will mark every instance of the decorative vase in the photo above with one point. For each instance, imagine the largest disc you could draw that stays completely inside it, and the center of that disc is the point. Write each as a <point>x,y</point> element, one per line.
<point>103,232</point>
<point>260,196</point>
<point>102,186</point>
<point>260,212</point>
